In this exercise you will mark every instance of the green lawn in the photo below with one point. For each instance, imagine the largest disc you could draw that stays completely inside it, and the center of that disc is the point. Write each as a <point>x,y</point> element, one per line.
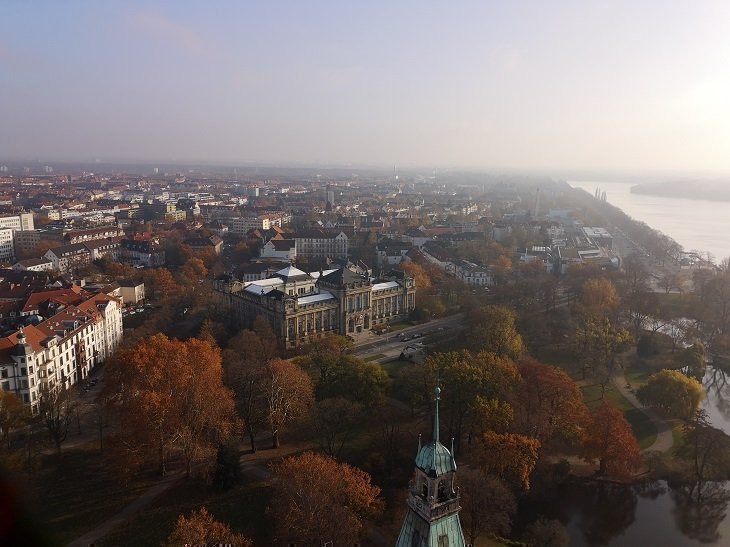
<point>642,426</point>
<point>392,367</point>
<point>400,325</point>
<point>636,378</point>
<point>242,507</point>
<point>79,492</point>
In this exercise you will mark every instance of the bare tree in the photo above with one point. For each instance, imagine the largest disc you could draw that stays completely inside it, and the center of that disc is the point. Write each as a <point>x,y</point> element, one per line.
<point>56,409</point>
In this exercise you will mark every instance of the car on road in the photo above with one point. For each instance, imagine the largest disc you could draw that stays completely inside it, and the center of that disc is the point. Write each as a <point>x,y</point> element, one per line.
<point>405,339</point>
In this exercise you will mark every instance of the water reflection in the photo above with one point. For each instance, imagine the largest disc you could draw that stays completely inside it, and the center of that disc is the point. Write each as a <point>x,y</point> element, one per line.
<point>652,513</point>
<point>717,397</point>
<point>607,510</point>
<point>700,509</point>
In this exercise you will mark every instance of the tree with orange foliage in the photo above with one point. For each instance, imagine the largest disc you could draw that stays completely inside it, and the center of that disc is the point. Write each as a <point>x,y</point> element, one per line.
<point>473,380</point>
<point>289,395</point>
<point>168,395</point>
<point>610,440</point>
<point>200,528</point>
<point>510,456</point>
<point>598,297</point>
<point>119,270</point>
<point>208,256</point>
<point>548,403</point>
<point>319,501</point>
<point>494,329</point>
<point>193,271</point>
<point>418,273</point>
<point>501,269</point>
<point>161,282</point>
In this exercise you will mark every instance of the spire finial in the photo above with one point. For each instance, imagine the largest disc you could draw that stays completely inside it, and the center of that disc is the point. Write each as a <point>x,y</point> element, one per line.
<point>419,442</point>
<point>437,391</point>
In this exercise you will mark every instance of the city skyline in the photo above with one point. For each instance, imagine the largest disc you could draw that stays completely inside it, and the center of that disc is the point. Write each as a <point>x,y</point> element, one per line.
<point>476,85</point>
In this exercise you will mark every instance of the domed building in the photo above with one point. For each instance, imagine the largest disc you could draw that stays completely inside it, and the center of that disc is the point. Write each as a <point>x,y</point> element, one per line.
<point>301,306</point>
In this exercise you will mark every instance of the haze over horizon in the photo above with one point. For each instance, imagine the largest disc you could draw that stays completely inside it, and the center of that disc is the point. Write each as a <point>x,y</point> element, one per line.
<point>529,85</point>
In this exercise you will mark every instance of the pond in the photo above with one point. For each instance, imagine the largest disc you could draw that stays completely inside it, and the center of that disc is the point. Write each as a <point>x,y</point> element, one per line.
<point>717,398</point>
<point>654,513</point>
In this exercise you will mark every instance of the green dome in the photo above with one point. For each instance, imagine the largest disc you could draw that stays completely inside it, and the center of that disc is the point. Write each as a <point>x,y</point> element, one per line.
<point>435,460</point>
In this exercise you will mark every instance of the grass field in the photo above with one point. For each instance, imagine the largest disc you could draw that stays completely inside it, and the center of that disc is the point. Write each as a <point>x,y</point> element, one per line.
<point>642,426</point>
<point>242,507</point>
<point>79,492</point>
<point>636,378</point>
<point>400,325</point>
<point>393,367</point>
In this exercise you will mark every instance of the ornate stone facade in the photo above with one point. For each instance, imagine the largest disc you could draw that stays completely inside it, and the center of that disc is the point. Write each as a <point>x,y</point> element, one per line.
<point>301,306</point>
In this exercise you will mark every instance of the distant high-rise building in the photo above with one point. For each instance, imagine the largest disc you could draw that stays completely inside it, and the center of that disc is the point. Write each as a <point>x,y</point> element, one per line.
<point>331,197</point>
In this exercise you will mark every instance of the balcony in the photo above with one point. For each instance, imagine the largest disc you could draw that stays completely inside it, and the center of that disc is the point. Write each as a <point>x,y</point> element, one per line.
<point>432,512</point>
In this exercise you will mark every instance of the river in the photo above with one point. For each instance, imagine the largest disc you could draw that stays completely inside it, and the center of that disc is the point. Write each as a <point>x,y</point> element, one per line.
<point>695,224</point>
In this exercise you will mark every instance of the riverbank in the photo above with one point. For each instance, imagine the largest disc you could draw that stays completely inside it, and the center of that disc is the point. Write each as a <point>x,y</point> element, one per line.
<point>694,225</point>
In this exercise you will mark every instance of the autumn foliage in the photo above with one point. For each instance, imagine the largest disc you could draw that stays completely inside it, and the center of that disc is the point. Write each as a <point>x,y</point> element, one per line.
<point>200,528</point>
<point>318,500</point>
<point>674,394</point>
<point>548,403</point>
<point>509,456</point>
<point>289,395</point>
<point>610,440</point>
<point>168,398</point>
<point>494,329</point>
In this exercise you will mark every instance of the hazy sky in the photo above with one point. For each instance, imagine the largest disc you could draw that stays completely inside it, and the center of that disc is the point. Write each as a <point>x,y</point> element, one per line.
<point>629,85</point>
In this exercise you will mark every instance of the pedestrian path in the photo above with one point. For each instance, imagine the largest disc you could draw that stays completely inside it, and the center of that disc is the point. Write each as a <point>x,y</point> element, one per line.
<point>123,516</point>
<point>664,439</point>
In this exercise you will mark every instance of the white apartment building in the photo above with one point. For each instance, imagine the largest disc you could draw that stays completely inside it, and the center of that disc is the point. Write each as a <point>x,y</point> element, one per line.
<point>62,350</point>
<point>241,225</point>
<point>23,221</point>
<point>318,243</point>
<point>7,249</point>
<point>469,273</point>
<point>279,249</point>
<point>9,225</point>
<point>33,265</point>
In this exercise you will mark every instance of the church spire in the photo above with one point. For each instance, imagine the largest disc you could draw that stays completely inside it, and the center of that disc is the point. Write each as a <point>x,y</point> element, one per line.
<point>436,417</point>
<point>432,519</point>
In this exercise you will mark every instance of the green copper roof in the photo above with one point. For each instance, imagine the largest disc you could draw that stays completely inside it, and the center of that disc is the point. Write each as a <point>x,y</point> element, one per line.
<point>435,460</point>
<point>416,532</point>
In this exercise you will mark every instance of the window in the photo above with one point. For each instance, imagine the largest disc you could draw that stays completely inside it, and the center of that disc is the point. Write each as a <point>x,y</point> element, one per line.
<point>443,540</point>
<point>22,371</point>
<point>3,373</point>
